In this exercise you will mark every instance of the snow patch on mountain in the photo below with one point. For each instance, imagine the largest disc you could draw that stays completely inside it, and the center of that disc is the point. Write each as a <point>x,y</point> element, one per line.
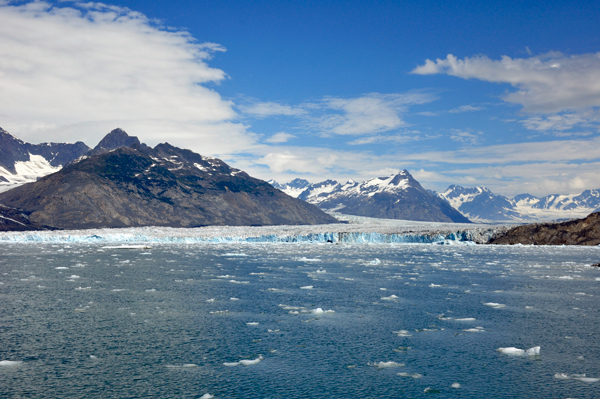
<point>26,171</point>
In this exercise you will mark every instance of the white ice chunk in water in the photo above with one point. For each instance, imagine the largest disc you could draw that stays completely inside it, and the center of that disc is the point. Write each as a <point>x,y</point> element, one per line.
<point>61,268</point>
<point>10,363</point>
<point>389,298</point>
<point>245,362</point>
<point>456,385</point>
<point>252,323</point>
<point>495,305</point>
<point>321,311</point>
<point>535,351</point>
<point>233,299</point>
<point>210,300</point>
<point>402,333</point>
<point>385,365</point>
<point>466,319</point>
<point>307,287</point>
<point>207,396</point>
<point>375,262</point>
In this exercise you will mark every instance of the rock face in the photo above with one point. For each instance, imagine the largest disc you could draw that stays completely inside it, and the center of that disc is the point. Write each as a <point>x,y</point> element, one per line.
<point>15,220</point>
<point>164,186</point>
<point>575,232</point>
<point>398,196</point>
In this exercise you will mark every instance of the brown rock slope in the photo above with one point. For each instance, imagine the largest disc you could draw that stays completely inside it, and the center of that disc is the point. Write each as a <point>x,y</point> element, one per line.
<point>575,232</point>
<point>164,186</point>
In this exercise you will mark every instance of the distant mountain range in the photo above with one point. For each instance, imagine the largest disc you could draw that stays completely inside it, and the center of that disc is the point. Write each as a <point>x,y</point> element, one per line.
<point>124,183</point>
<point>480,204</point>
<point>398,196</point>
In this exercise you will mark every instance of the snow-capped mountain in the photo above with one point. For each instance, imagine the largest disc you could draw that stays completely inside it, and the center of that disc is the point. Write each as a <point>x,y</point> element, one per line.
<point>397,196</point>
<point>22,162</point>
<point>479,203</point>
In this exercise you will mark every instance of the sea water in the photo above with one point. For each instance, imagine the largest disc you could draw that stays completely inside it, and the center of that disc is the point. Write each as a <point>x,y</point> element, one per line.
<point>298,321</point>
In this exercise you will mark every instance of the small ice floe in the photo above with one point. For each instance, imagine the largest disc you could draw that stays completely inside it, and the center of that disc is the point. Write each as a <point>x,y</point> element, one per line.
<point>288,307</point>
<point>528,307</point>
<point>535,351</point>
<point>93,357</point>
<point>252,323</point>
<point>83,288</point>
<point>386,365</point>
<point>233,299</point>
<point>304,259</point>
<point>273,331</point>
<point>414,375</point>
<point>431,390</point>
<point>375,262</point>
<point>226,276</point>
<point>125,261</point>
<point>210,300</point>
<point>10,363</point>
<point>239,282</point>
<point>181,366</point>
<point>455,385</point>
<point>466,319</point>
<point>151,290</point>
<point>219,312</point>
<point>495,305</point>
<point>435,285</point>
<point>307,287</point>
<point>402,333</point>
<point>235,255</point>
<point>273,289</point>
<point>579,377</point>
<point>118,289</point>
<point>321,311</point>
<point>321,271</point>
<point>74,276</point>
<point>61,268</point>
<point>476,329</point>
<point>207,396</point>
<point>389,298</point>
<point>245,362</point>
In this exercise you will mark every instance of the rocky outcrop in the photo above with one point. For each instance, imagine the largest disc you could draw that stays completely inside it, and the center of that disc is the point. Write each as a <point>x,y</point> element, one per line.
<point>163,186</point>
<point>575,232</point>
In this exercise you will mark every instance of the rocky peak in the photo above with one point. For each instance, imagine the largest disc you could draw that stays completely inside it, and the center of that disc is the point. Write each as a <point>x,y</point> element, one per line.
<point>113,140</point>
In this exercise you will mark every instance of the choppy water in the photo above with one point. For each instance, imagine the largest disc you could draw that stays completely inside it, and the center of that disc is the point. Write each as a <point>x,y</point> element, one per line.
<point>308,321</point>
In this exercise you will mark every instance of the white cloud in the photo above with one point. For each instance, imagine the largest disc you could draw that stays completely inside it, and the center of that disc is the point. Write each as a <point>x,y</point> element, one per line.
<point>465,108</point>
<point>265,109</point>
<point>281,137</point>
<point>561,121</point>
<point>548,83</point>
<point>370,114</point>
<point>80,70</point>
<point>463,136</point>
<point>395,138</point>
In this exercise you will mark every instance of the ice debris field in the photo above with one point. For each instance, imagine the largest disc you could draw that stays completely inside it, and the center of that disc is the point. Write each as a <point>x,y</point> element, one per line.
<point>219,313</point>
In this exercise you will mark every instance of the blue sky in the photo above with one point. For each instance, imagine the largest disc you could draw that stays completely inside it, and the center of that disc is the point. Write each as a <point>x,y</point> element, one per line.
<point>503,94</point>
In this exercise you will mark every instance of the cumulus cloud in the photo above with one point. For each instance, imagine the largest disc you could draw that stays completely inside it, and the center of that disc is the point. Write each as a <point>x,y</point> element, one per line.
<point>548,83</point>
<point>281,137</point>
<point>77,70</point>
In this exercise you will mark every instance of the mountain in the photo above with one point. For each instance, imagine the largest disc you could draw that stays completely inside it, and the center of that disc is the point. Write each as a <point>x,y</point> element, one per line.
<point>479,203</point>
<point>574,232</point>
<point>398,196</point>
<point>22,162</point>
<point>162,186</point>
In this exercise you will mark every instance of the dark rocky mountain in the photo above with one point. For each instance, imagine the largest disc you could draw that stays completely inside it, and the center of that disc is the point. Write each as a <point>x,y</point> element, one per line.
<point>15,220</point>
<point>398,196</point>
<point>575,232</point>
<point>161,186</point>
<point>115,139</point>
<point>13,150</point>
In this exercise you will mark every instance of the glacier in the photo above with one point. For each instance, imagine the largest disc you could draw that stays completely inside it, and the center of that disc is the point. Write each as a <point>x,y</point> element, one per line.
<point>360,230</point>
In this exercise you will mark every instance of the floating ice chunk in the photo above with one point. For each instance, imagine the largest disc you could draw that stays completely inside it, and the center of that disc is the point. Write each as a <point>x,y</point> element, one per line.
<point>456,385</point>
<point>118,289</point>
<point>562,376</point>
<point>321,271</point>
<point>210,300</point>
<point>288,307</point>
<point>528,307</point>
<point>273,289</point>
<point>390,298</point>
<point>93,357</point>
<point>226,276</point>
<point>434,285</point>
<point>252,323</point>
<point>307,287</point>
<point>385,365</point>
<point>431,390</point>
<point>239,282</point>
<point>234,299</point>
<point>219,311</point>
<point>375,262</point>
<point>565,278</point>
<point>495,305</point>
<point>466,319</point>
<point>61,268</point>
<point>245,362</point>
<point>402,333</point>
<point>207,396</point>
<point>83,288</point>
<point>233,255</point>
<point>74,276</point>
<point>151,290</point>
<point>321,311</point>
<point>476,329</point>
<point>182,366</point>
<point>579,377</point>
<point>587,379</point>
<point>272,331</point>
<point>535,351</point>
<point>10,363</point>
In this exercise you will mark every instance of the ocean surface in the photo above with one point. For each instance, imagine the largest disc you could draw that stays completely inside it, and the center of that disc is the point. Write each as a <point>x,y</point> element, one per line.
<point>275,320</point>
